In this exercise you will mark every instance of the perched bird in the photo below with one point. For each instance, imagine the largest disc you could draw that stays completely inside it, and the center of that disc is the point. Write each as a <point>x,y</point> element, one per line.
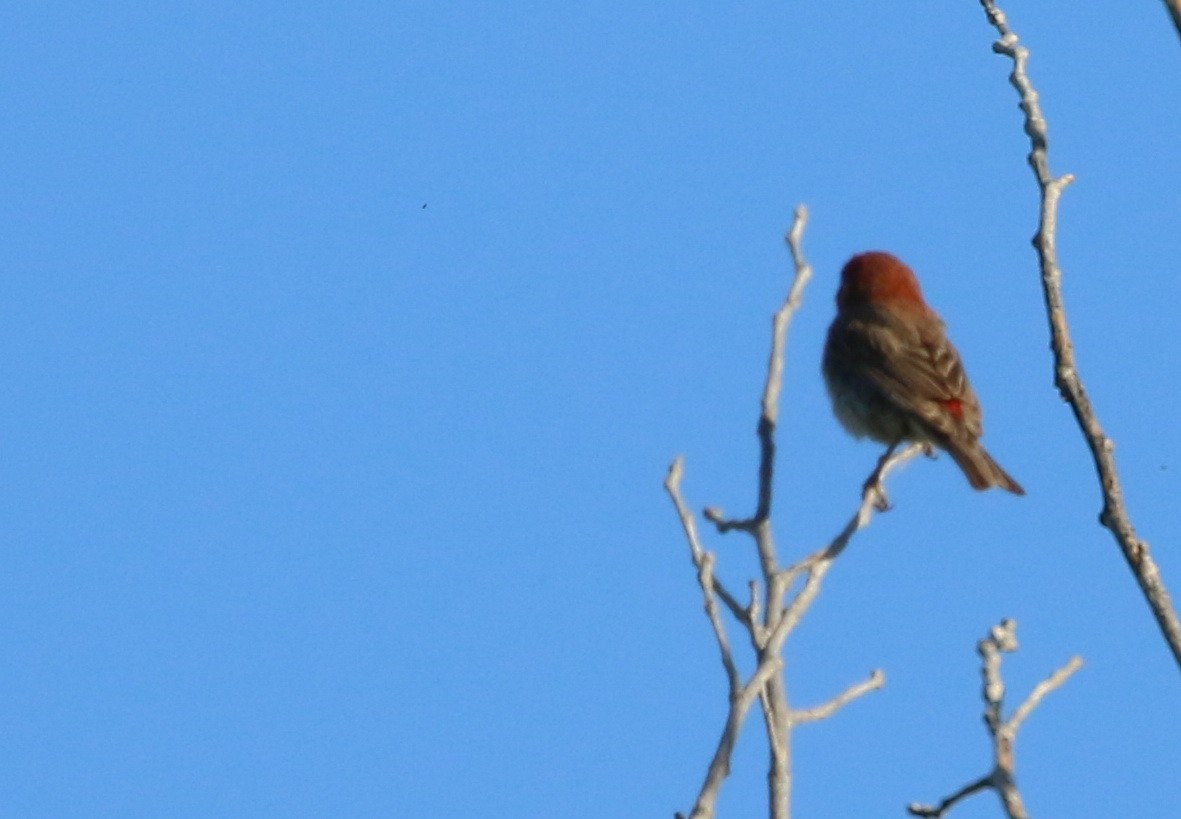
<point>892,374</point>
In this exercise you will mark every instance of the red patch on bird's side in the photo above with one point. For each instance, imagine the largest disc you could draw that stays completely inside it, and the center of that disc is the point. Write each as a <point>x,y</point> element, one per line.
<point>954,407</point>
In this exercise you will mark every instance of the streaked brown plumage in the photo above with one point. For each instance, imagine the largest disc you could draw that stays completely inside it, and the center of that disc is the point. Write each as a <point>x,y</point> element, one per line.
<point>892,374</point>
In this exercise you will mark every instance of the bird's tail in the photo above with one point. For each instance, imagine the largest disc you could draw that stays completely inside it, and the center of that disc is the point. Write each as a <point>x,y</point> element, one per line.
<point>981,470</point>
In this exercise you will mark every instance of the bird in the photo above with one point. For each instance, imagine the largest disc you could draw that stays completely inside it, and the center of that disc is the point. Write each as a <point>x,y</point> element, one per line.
<point>893,375</point>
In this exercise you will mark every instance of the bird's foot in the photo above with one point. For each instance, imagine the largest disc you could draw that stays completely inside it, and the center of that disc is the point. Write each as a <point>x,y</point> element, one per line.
<point>873,486</point>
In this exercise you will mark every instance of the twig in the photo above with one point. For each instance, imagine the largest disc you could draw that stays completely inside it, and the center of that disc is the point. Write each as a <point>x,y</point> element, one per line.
<point>1001,639</point>
<point>758,526</point>
<point>704,561</point>
<point>816,565</point>
<point>1039,692</point>
<point>1114,515</point>
<point>947,803</point>
<point>766,682</point>
<point>768,619</point>
<point>1174,7</point>
<point>825,710</point>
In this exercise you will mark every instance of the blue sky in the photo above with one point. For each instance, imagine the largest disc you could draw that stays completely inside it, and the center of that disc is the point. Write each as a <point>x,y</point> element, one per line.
<point>344,349</point>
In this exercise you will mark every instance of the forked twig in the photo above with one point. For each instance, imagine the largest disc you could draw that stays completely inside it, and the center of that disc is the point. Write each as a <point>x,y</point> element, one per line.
<point>1001,639</point>
<point>772,612</point>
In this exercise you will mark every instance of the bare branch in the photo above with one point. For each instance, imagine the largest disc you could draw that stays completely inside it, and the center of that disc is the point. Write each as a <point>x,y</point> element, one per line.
<point>740,613</point>
<point>872,493</point>
<point>1054,681</point>
<point>719,766</point>
<point>774,384</point>
<point>1001,639</point>
<point>767,619</point>
<point>704,562</point>
<point>1114,515</point>
<point>740,696</point>
<point>758,632</point>
<point>875,681</point>
<point>947,804</point>
<point>769,661</point>
<point>1174,7</point>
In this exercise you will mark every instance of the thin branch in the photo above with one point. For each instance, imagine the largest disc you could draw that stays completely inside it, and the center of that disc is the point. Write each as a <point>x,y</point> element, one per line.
<point>875,681</point>
<point>947,804</point>
<point>758,632</point>
<point>780,323</point>
<point>719,766</point>
<point>1053,682</point>
<point>741,614</point>
<point>777,714</point>
<point>817,564</point>
<point>758,526</point>
<point>766,618</point>
<point>740,696</point>
<point>772,388</point>
<point>1001,639</point>
<point>1174,7</point>
<point>1114,515</point>
<point>703,561</point>
<point>776,708</point>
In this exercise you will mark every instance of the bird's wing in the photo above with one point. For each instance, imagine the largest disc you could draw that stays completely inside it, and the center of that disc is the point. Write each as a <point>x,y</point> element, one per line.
<point>918,369</point>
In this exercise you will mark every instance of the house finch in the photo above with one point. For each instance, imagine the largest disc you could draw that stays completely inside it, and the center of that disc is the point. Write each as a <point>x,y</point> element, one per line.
<point>893,375</point>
